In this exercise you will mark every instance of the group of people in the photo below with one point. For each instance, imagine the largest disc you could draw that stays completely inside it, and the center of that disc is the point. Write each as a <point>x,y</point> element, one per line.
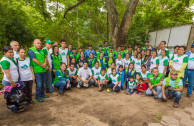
<point>144,70</point>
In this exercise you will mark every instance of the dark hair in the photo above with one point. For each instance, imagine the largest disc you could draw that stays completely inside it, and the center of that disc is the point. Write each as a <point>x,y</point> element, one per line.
<point>155,68</point>
<point>163,50</point>
<point>91,53</point>
<point>100,45</point>
<point>147,41</point>
<point>137,74</point>
<point>6,49</point>
<point>131,77</point>
<point>143,66</point>
<point>112,63</point>
<point>105,41</point>
<point>63,64</point>
<point>130,64</point>
<point>113,69</point>
<point>164,42</point>
<point>182,47</point>
<point>71,64</point>
<point>127,54</point>
<point>147,56</point>
<point>62,40</point>
<point>80,47</point>
<point>103,69</point>
<point>96,62</point>
<point>138,54</point>
<point>85,62</point>
<point>176,46</point>
<point>53,50</point>
<point>155,51</point>
<point>120,66</point>
<point>141,79</point>
<point>20,49</point>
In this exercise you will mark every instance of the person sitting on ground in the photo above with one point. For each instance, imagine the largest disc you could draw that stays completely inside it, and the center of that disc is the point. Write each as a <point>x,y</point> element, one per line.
<point>85,76</point>
<point>114,81</point>
<point>172,87</point>
<point>144,74</point>
<point>131,86</point>
<point>102,80</point>
<point>121,73</point>
<point>96,72</point>
<point>141,87</point>
<point>72,75</point>
<point>109,71</point>
<point>155,81</point>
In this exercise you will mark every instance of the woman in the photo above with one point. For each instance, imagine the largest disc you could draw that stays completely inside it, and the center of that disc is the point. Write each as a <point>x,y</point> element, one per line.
<point>119,61</point>
<point>143,54</point>
<point>110,60</point>
<point>56,59</point>
<point>154,61</point>
<point>150,48</point>
<point>26,73</point>
<point>163,62</point>
<point>127,61</point>
<point>147,59</point>
<point>115,81</point>
<point>81,60</point>
<point>62,79</point>
<point>138,62</point>
<point>134,55</point>
<point>144,74</point>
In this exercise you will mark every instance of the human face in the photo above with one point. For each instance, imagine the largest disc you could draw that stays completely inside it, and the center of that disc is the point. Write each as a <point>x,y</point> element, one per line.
<point>96,65</point>
<point>120,69</point>
<point>155,72</point>
<point>9,54</point>
<point>131,79</point>
<point>176,50</point>
<point>80,50</point>
<point>114,72</point>
<point>148,52</point>
<point>100,48</point>
<point>131,66</point>
<point>110,49</point>
<point>127,56</point>
<point>48,45</point>
<point>162,45</point>
<point>63,45</point>
<point>70,47</point>
<point>122,48</point>
<point>129,49</point>
<point>119,56</point>
<point>90,47</point>
<point>135,53</point>
<point>15,45</point>
<point>82,54</point>
<point>139,56</point>
<point>141,82</point>
<point>106,44</point>
<point>147,44</point>
<point>101,55</point>
<point>103,72</point>
<point>174,77</point>
<point>143,69</point>
<point>112,65</point>
<point>150,47</point>
<point>63,67</point>
<point>137,76</point>
<point>22,53</point>
<point>72,67</point>
<point>56,49</point>
<point>110,55</point>
<point>91,56</point>
<point>74,51</point>
<point>181,51</point>
<point>192,50</point>
<point>85,65</point>
<point>154,54</point>
<point>73,60</point>
<point>142,52</point>
<point>163,53</point>
<point>138,49</point>
<point>119,49</point>
<point>37,43</point>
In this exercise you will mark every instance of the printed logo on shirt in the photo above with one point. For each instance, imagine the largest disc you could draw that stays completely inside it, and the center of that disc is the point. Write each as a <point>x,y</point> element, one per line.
<point>138,63</point>
<point>24,67</point>
<point>97,73</point>
<point>126,63</point>
<point>113,80</point>
<point>118,64</point>
<point>192,59</point>
<point>176,61</point>
<point>63,53</point>
<point>152,62</point>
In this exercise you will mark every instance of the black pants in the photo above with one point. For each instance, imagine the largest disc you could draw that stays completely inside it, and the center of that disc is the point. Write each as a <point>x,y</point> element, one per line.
<point>73,82</point>
<point>28,89</point>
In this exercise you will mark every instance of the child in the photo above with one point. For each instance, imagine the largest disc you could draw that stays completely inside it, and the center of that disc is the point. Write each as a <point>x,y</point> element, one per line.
<point>127,61</point>
<point>109,71</point>
<point>72,75</point>
<point>102,80</point>
<point>115,80</point>
<point>95,72</point>
<point>138,62</point>
<point>141,87</point>
<point>131,72</point>
<point>137,78</point>
<point>131,86</point>
<point>119,62</point>
<point>121,73</point>
<point>144,74</point>
<point>154,61</point>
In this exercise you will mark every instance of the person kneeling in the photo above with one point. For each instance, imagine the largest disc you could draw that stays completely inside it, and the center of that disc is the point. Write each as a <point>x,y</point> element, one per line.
<point>62,79</point>
<point>102,80</point>
<point>131,86</point>
<point>115,81</point>
<point>142,87</point>
<point>172,87</point>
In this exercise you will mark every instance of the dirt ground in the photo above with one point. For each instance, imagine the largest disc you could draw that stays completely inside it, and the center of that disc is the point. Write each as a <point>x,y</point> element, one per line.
<point>88,107</point>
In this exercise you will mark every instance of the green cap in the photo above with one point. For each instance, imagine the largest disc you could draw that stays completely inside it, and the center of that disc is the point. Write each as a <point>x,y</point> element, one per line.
<point>48,41</point>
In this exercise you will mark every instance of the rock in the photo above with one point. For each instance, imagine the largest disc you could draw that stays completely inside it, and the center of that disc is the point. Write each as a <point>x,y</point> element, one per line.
<point>154,124</point>
<point>168,120</point>
<point>187,122</point>
<point>181,115</point>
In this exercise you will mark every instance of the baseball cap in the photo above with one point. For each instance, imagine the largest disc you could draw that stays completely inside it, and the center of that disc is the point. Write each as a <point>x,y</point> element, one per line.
<point>49,41</point>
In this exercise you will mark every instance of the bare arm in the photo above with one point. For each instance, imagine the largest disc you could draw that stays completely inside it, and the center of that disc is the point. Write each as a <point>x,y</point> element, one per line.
<point>8,75</point>
<point>32,72</point>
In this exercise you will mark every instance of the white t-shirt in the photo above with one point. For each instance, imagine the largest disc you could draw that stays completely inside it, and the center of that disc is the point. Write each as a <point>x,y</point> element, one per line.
<point>16,55</point>
<point>102,78</point>
<point>137,65</point>
<point>74,72</point>
<point>118,63</point>
<point>84,73</point>
<point>177,61</point>
<point>24,69</point>
<point>49,57</point>
<point>191,61</point>
<point>51,50</point>
<point>63,53</point>
<point>163,62</point>
<point>153,62</point>
<point>159,53</point>
<point>115,79</point>
<point>127,62</point>
<point>144,76</point>
<point>96,72</point>
<point>109,71</point>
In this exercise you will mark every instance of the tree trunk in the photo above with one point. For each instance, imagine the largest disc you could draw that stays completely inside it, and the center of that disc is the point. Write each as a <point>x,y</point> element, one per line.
<point>119,33</point>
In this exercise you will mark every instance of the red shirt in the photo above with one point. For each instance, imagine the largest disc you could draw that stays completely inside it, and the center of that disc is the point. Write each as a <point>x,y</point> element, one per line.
<point>142,87</point>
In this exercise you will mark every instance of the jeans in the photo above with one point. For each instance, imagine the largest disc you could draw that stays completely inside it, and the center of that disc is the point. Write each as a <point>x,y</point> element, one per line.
<point>62,85</point>
<point>5,83</point>
<point>101,85</point>
<point>73,82</point>
<point>158,89</point>
<point>40,79</point>
<point>185,77</point>
<point>28,89</point>
<point>190,76</point>
<point>48,85</point>
<point>117,88</point>
<point>176,94</point>
<point>91,82</point>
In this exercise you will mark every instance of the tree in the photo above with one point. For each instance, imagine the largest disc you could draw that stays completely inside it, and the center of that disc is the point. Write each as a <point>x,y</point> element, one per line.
<point>119,32</point>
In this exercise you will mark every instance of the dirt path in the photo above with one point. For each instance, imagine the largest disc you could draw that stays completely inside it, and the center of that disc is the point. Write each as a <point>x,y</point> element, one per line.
<point>88,107</point>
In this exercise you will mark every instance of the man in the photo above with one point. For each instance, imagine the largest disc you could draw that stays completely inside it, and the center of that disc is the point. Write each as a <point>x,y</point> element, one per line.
<point>96,70</point>
<point>79,51</point>
<point>99,51</point>
<point>130,51</point>
<point>91,61</point>
<point>85,76</point>
<point>190,71</point>
<point>110,51</point>
<point>123,48</point>
<point>51,50</point>
<point>146,45</point>
<point>39,64</point>
<point>72,75</point>
<point>175,51</point>
<point>15,45</point>
<point>119,52</point>
<point>74,54</point>
<point>48,45</point>
<point>155,81</point>
<point>163,47</point>
<point>63,51</point>
<point>172,87</point>
<point>88,51</point>
<point>105,49</point>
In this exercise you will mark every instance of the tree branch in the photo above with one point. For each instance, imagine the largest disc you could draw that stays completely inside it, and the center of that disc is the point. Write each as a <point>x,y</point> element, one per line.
<point>73,6</point>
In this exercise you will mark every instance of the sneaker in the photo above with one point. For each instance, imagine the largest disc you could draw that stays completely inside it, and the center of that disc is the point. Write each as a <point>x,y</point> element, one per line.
<point>92,86</point>
<point>85,85</point>
<point>61,93</point>
<point>31,102</point>
<point>44,96</point>
<point>108,90</point>
<point>40,100</point>
<point>78,86</point>
<point>175,105</point>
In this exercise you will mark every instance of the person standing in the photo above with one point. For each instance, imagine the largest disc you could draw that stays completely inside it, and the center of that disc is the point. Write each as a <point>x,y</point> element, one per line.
<point>105,49</point>
<point>49,88</point>
<point>15,46</point>
<point>39,64</point>
<point>163,62</point>
<point>81,60</point>
<point>63,51</point>
<point>146,45</point>
<point>99,51</point>
<point>163,47</point>
<point>88,51</point>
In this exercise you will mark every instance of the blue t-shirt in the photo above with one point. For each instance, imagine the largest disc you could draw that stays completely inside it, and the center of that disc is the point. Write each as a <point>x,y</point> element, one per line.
<point>172,83</point>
